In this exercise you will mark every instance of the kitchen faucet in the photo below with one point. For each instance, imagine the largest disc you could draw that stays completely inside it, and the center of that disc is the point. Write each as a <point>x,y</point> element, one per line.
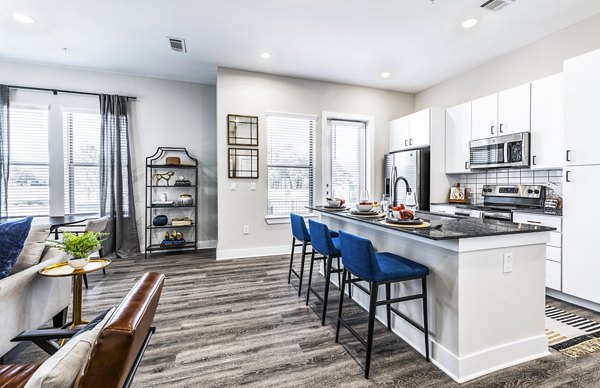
<point>394,193</point>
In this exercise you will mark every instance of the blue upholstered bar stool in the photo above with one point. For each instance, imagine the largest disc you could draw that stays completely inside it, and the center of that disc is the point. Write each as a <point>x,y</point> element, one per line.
<point>360,259</point>
<point>329,248</point>
<point>301,234</point>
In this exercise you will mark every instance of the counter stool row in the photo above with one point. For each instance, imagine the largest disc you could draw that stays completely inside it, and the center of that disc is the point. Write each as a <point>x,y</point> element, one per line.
<point>360,264</point>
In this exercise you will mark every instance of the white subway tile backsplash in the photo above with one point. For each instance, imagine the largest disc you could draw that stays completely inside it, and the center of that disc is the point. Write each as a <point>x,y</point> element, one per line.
<point>474,182</point>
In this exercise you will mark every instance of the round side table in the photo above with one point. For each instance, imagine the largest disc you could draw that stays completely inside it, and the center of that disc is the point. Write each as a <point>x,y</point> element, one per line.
<point>62,270</point>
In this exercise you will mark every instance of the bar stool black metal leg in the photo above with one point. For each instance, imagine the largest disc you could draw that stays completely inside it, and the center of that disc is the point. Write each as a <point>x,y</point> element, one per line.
<point>310,273</point>
<point>326,294</point>
<point>425,327</point>
<point>291,259</point>
<point>388,296</point>
<point>339,267</point>
<point>302,267</point>
<point>372,310</point>
<point>337,330</point>
<point>104,271</point>
<point>350,285</point>
<point>85,280</point>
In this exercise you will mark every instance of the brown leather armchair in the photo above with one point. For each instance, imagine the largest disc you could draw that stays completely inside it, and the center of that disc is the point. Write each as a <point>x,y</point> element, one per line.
<point>119,347</point>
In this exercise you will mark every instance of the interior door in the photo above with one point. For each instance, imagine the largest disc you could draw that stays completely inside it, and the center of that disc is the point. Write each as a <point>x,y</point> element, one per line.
<point>514,107</point>
<point>484,117</point>
<point>581,257</point>
<point>458,135</point>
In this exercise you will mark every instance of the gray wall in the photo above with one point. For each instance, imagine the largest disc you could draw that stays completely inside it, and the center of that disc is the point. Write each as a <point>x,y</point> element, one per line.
<point>537,60</point>
<point>167,113</point>
<point>250,93</point>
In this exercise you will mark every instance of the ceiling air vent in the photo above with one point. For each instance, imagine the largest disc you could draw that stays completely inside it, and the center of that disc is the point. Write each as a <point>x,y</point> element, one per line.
<point>495,5</point>
<point>177,44</point>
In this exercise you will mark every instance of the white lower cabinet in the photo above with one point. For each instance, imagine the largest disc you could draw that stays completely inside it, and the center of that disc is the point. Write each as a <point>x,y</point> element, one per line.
<point>581,236</point>
<point>553,248</point>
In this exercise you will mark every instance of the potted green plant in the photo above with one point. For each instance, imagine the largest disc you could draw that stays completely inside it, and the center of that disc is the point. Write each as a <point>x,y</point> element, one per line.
<point>79,247</point>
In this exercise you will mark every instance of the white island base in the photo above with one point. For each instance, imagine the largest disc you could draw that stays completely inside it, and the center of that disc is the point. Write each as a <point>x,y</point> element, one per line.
<point>481,318</point>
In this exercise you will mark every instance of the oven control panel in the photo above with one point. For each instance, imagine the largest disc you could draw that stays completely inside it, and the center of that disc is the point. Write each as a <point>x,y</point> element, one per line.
<point>516,191</point>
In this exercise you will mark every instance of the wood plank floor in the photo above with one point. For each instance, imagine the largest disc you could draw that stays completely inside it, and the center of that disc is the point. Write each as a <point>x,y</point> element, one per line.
<point>238,322</point>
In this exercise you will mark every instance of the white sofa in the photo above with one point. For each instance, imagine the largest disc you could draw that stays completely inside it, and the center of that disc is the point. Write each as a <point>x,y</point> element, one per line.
<point>28,299</point>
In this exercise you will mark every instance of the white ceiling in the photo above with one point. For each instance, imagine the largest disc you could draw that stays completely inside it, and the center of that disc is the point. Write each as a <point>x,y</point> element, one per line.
<point>346,41</point>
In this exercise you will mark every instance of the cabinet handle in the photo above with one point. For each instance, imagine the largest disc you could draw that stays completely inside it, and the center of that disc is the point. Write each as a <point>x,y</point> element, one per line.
<point>568,176</point>
<point>492,129</point>
<point>410,142</point>
<point>533,161</point>
<point>534,222</point>
<point>405,143</point>
<point>568,155</point>
<point>466,165</point>
<point>501,128</point>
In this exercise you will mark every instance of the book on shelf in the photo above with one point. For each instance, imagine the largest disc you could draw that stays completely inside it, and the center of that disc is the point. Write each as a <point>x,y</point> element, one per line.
<point>163,203</point>
<point>185,221</point>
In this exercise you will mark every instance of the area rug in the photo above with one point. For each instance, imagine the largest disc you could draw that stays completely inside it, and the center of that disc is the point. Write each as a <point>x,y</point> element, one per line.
<point>571,334</point>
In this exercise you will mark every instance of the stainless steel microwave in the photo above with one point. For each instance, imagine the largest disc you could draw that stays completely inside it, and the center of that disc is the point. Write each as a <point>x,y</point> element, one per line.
<point>500,151</point>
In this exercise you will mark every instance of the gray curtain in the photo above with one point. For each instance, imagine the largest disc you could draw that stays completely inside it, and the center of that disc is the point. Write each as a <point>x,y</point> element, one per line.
<point>116,186</point>
<point>4,150</point>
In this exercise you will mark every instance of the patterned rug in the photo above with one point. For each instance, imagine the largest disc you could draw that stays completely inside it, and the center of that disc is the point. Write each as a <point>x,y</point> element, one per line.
<point>571,334</point>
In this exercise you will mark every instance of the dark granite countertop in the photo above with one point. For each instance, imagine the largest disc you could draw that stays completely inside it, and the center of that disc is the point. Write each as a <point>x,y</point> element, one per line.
<point>444,227</point>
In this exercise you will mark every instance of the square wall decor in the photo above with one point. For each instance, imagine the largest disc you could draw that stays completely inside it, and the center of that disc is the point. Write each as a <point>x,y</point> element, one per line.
<point>242,130</point>
<point>243,163</point>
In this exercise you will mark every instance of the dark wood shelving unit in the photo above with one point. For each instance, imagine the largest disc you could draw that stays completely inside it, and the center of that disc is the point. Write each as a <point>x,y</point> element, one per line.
<point>154,234</point>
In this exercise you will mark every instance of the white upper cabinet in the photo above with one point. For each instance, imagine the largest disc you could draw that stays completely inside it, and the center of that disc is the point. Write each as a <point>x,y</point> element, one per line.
<point>547,122</point>
<point>458,135</point>
<point>514,110</point>
<point>420,127</point>
<point>399,133</point>
<point>485,117</point>
<point>502,113</point>
<point>410,131</point>
<point>582,109</point>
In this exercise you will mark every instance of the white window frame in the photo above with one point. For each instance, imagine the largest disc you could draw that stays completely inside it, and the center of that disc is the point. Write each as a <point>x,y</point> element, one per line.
<point>278,218</point>
<point>325,179</point>
<point>55,104</point>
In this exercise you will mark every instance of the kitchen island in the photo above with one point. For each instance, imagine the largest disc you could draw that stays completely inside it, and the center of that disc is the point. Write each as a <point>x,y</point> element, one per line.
<point>486,288</point>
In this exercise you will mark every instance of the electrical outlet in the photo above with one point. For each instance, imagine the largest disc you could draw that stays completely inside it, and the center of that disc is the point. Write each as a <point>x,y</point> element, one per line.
<point>246,229</point>
<point>233,186</point>
<point>508,262</point>
<point>252,186</point>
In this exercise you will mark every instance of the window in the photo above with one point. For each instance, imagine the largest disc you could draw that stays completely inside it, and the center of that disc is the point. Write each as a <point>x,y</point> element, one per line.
<point>290,163</point>
<point>81,153</point>
<point>54,147</point>
<point>348,159</point>
<point>28,184</point>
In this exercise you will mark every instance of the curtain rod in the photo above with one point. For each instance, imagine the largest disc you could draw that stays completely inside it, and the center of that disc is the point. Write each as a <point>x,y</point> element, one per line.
<point>56,91</point>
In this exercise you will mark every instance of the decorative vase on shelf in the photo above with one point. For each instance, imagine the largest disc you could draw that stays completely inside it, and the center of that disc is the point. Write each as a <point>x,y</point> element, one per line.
<point>78,263</point>
<point>160,220</point>
<point>163,197</point>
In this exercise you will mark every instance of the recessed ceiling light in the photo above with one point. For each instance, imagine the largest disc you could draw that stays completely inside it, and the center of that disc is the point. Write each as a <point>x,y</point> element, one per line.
<point>385,74</point>
<point>23,18</point>
<point>469,23</point>
<point>265,55</point>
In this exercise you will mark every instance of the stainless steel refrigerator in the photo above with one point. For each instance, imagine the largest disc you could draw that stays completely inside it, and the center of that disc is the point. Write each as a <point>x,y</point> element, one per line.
<point>413,165</point>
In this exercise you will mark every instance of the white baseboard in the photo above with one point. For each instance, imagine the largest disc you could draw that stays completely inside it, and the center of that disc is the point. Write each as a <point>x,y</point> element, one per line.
<point>224,254</point>
<point>573,300</point>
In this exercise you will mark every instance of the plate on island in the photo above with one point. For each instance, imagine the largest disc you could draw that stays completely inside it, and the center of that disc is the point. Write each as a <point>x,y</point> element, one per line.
<point>370,213</point>
<point>395,221</point>
<point>334,208</point>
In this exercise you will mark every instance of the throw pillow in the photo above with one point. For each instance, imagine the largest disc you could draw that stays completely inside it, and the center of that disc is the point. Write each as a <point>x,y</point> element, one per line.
<point>33,248</point>
<point>62,368</point>
<point>12,237</point>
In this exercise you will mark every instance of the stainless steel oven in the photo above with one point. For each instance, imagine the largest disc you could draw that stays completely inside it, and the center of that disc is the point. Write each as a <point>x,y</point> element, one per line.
<point>500,151</point>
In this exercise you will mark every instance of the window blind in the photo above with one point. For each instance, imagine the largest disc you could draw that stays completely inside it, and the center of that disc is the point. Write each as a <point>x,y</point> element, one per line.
<point>81,155</point>
<point>28,186</point>
<point>347,159</point>
<point>290,164</point>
